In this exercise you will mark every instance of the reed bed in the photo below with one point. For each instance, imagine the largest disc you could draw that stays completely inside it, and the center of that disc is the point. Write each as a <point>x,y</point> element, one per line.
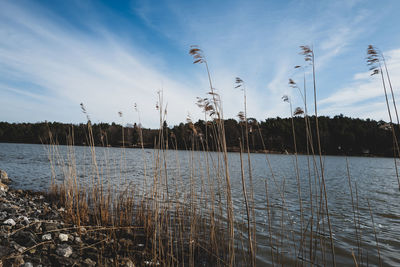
<point>196,220</point>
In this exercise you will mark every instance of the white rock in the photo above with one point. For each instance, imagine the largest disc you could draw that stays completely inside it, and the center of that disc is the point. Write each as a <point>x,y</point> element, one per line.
<point>46,237</point>
<point>25,219</point>
<point>9,222</point>
<point>28,264</point>
<point>64,251</point>
<point>3,187</point>
<point>78,240</point>
<point>63,237</point>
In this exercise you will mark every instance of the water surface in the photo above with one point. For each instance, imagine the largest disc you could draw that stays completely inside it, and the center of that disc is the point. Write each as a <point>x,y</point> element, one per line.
<point>29,167</point>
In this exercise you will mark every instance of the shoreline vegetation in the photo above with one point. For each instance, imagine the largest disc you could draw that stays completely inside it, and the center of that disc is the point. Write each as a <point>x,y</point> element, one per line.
<point>340,135</point>
<point>195,221</point>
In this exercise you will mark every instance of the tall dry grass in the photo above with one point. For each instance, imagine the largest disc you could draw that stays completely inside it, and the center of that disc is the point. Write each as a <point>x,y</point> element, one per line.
<point>192,221</point>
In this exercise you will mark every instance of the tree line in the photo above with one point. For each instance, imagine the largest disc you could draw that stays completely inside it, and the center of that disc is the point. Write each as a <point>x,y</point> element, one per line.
<point>339,135</point>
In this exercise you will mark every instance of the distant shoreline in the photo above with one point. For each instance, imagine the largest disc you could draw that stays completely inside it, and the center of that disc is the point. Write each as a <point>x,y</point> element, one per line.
<point>229,149</point>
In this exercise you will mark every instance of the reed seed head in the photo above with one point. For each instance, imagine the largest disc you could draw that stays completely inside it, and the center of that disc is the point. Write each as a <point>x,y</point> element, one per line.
<point>85,112</point>
<point>239,83</point>
<point>285,98</point>
<point>307,52</point>
<point>292,83</point>
<point>298,111</point>
<point>373,60</point>
<point>241,116</point>
<point>197,53</point>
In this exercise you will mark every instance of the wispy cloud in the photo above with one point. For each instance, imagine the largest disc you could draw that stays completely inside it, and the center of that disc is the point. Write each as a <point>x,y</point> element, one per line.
<point>356,98</point>
<point>102,71</point>
<point>50,62</point>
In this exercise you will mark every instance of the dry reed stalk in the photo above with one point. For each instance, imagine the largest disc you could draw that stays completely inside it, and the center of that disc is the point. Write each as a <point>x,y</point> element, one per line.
<point>249,230</point>
<point>310,57</point>
<point>199,57</point>
<point>241,85</point>
<point>354,211</point>
<point>376,237</point>
<point>374,58</point>
<point>297,112</point>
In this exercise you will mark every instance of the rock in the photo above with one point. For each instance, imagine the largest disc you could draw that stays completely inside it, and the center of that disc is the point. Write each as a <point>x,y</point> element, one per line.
<point>127,263</point>
<point>10,222</point>
<point>89,262</point>
<point>24,219</point>
<point>46,237</point>
<point>3,187</point>
<point>151,263</point>
<point>25,238</point>
<point>50,227</point>
<point>27,264</point>
<point>63,237</point>
<point>78,240</point>
<point>64,250</point>
<point>3,215</point>
<point>4,251</point>
<point>17,247</point>
<point>19,261</point>
<point>4,177</point>
<point>70,237</point>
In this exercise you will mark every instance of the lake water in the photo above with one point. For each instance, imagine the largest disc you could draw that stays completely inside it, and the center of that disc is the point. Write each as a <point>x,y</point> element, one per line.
<point>29,168</point>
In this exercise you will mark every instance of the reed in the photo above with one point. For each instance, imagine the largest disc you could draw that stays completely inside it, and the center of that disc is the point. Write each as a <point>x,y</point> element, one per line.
<point>375,59</point>
<point>192,218</point>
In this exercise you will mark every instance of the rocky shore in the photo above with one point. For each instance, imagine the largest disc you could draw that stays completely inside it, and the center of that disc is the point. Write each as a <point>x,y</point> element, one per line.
<point>34,232</point>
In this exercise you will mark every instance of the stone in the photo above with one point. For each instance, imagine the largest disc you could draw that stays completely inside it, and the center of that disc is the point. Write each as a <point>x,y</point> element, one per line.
<point>4,177</point>
<point>127,263</point>
<point>3,187</point>
<point>78,240</point>
<point>64,250</point>
<point>63,237</point>
<point>17,247</point>
<point>10,222</point>
<point>24,219</point>
<point>70,237</point>
<point>46,237</point>
<point>89,262</point>
<point>4,251</point>
<point>27,264</point>
<point>3,215</point>
<point>50,227</point>
<point>18,261</point>
<point>25,238</point>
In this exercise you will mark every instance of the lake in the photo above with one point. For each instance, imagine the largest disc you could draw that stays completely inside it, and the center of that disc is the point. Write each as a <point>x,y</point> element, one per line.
<point>29,167</point>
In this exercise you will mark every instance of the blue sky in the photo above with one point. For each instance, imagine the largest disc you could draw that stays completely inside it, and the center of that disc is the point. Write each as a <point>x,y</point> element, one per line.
<point>112,54</point>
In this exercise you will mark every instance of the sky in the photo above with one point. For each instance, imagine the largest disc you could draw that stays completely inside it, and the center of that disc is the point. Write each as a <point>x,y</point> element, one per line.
<point>110,55</point>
